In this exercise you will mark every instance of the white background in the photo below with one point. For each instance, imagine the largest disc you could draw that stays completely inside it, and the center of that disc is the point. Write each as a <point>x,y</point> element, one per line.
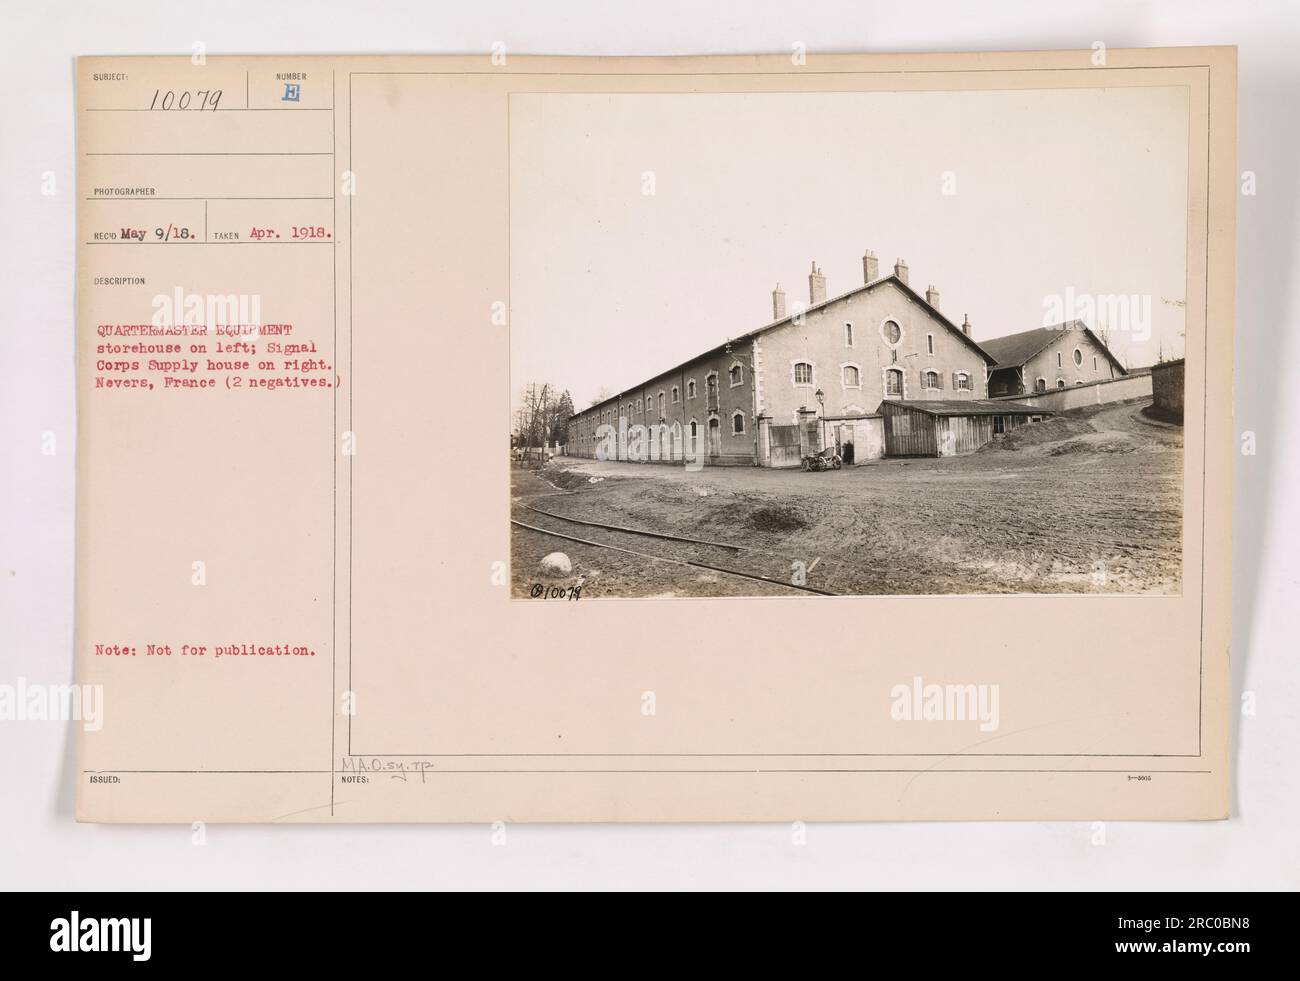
<point>42,847</point>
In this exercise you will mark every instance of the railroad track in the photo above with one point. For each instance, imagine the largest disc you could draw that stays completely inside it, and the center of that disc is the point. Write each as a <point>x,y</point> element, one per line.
<point>728,550</point>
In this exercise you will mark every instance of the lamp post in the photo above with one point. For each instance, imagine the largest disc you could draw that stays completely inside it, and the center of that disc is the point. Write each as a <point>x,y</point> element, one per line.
<point>821,401</point>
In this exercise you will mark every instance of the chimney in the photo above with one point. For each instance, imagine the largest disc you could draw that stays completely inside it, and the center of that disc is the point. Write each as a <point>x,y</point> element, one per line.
<point>778,303</point>
<point>965,324</point>
<point>932,296</point>
<point>816,286</point>
<point>900,270</point>
<point>870,267</point>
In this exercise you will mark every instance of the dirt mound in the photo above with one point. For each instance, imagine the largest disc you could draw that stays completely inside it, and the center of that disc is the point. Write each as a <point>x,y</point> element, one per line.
<point>753,515</point>
<point>1051,430</point>
<point>779,517</point>
<point>566,479</point>
<point>1099,443</point>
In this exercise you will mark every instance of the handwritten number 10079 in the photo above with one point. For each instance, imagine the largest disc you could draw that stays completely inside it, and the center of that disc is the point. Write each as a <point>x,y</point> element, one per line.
<point>192,101</point>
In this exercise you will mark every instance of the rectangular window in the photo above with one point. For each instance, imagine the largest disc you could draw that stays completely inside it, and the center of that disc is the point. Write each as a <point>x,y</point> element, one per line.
<point>929,343</point>
<point>803,373</point>
<point>848,335</point>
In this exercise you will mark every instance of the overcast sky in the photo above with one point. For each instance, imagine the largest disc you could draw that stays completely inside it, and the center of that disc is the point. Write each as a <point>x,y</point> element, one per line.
<point>1083,189</point>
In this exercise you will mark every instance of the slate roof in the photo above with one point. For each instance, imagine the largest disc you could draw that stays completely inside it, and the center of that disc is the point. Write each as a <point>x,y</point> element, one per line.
<point>1013,350</point>
<point>967,407</point>
<point>726,345</point>
<point>907,290</point>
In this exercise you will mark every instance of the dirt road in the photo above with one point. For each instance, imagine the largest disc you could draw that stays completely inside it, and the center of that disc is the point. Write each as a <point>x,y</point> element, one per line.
<point>1090,501</point>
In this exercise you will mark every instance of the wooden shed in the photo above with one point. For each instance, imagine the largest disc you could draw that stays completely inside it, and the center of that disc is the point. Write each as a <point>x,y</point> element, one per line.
<point>951,427</point>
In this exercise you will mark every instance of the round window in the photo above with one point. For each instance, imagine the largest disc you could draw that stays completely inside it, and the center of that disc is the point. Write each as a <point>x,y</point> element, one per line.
<point>1078,357</point>
<point>891,332</point>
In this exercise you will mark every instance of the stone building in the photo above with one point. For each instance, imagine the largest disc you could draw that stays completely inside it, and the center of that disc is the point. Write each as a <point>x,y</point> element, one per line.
<point>813,376</point>
<point>1047,358</point>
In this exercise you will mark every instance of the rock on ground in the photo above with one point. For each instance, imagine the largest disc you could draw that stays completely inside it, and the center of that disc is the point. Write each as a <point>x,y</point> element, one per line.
<point>556,564</point>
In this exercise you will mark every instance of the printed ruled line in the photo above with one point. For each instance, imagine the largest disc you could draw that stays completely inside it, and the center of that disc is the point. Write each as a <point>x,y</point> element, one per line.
<point>204,771</point>
<point>616,76</point>
<point>334,454</point>
<point>792,756</point>
<point>153,197</point>
<point>408,774</point>
<point>210,153</point>
<point>212,111</point>
<point>1205,402</point>
<point>194,241</point>
<point>351,375</point>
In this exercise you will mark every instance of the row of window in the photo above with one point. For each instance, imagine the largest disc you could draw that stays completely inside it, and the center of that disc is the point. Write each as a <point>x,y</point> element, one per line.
<point>850,374</point>
<point>891,332</point>
<point>1040,384</point>
<point>851,377</point>
<point>735,377</point>
<point>1077,356</point>
<point>737,427</point>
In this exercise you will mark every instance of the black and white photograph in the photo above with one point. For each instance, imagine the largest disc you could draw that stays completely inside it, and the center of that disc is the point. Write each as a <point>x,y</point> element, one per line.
<point>849,343</point>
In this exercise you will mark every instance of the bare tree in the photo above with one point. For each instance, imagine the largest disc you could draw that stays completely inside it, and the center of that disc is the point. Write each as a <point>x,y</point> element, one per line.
<point>541,417</point>
<point>1103,334</point>
<point>530,420</point>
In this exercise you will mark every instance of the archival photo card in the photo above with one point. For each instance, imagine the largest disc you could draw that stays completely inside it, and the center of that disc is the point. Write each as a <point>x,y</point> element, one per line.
<point>655,439</point>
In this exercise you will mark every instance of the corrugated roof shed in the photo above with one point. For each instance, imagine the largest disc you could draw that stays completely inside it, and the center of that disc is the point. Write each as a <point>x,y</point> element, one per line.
<point>967,407</point>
